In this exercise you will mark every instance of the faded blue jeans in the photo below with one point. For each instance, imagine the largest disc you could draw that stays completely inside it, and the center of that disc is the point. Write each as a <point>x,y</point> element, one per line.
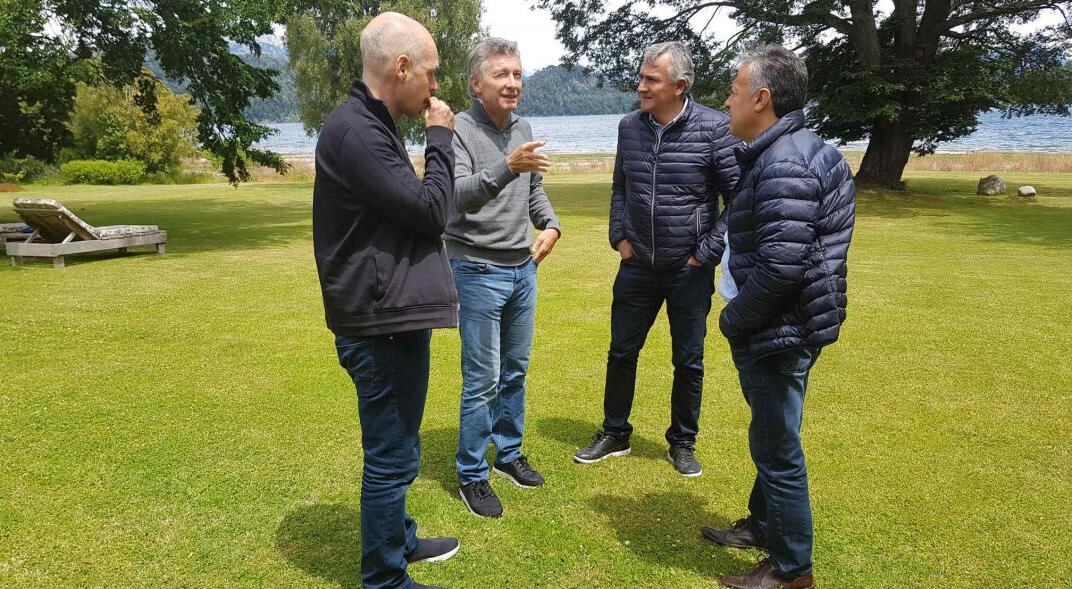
<point>780,511</point>
<point>391,376</point>
<point>498,309</point>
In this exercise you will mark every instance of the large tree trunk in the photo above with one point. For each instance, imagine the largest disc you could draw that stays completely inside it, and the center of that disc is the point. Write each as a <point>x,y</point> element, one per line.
<point>886,156</point>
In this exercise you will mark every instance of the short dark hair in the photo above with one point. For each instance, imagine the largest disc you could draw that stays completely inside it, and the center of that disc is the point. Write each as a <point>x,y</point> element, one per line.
<point>782,72</point>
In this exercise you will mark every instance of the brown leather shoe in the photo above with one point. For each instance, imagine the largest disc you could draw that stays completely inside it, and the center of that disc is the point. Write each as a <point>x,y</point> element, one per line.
<point>739,535</point>
<point>764,576</point>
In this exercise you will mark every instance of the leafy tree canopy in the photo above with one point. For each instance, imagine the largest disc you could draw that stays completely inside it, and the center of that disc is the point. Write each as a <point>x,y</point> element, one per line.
<point>52,40</point>
<point>908,77</point>
<point>323,40</point>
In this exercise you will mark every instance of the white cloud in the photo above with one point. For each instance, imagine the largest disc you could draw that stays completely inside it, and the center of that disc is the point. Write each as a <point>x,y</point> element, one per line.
<point>532,29</point>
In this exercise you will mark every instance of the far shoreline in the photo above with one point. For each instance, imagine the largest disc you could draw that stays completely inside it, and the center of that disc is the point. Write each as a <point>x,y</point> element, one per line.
<point>986,162</point>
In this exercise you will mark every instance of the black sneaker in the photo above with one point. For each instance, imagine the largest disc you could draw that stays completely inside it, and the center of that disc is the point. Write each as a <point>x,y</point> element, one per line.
<point>520,473</point>
<point>481,500</point>
<point>434,550</point>
<point>739,535</point>
<point>684,460</point>
<point>603,446</point>
<point>419,586</point>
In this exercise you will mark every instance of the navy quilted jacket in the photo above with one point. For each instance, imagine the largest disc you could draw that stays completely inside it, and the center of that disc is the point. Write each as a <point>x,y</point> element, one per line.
<point>665,193</point>
<point>789,228</point>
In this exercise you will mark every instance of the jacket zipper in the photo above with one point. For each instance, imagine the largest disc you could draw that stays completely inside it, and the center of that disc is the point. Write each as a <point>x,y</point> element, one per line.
<point>655,168</point>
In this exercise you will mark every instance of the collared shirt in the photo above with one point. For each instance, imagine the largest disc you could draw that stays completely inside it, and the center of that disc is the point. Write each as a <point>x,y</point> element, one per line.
<point>660,128</point>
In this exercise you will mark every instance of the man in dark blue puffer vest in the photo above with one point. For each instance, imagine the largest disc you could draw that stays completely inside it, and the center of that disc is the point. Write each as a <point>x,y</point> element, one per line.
<point>674,159</point>
<point>789,227</point>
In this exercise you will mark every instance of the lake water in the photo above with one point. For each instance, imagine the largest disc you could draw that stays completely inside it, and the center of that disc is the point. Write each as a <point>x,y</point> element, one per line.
<point>598,133</point>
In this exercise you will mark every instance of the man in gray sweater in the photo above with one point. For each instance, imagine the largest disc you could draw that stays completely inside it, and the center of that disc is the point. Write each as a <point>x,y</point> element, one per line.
<point>498,192</point>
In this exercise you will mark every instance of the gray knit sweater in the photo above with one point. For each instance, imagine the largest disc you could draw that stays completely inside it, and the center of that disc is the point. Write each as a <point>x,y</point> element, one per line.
<point>493,206</point>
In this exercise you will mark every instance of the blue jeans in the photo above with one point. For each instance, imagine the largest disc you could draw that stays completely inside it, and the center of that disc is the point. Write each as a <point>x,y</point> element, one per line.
<point>498,309</point>
<point>638,295</point>
<point>780,511</point>
<point>391,376</point>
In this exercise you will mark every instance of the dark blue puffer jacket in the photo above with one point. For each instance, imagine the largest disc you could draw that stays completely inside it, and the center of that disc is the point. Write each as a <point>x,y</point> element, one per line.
<point>665,194</point>
<point>789,227</point>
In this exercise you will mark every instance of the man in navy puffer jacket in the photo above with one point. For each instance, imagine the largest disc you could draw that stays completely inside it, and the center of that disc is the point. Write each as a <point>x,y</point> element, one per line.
<point>674,159</point>
<point>789,228</point>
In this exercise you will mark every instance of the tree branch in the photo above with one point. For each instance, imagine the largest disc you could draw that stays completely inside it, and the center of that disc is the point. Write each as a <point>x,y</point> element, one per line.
<point>1007,10</point>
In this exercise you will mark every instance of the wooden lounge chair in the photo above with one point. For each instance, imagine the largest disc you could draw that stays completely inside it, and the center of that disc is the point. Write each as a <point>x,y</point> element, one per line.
<point>59,232</point>
<point>13,232</point>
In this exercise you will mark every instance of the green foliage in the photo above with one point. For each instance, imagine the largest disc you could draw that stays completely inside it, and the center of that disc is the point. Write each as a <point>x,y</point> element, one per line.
<point>39,68</point>
<point>25,169</point>
<point>36,82</point>
<point>911,77</point>
<point>556,90</point>
<point>107,123</point>
<point>103,171</point>
<point>323,40</point>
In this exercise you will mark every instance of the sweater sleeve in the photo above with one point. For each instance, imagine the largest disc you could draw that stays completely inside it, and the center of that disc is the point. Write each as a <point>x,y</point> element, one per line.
<point>540,211</point>
<point>475,188</point>
<point>372,170</point>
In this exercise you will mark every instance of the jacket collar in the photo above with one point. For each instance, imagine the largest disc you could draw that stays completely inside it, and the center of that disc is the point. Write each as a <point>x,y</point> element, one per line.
<point>480,115</point>
<point>361,93</point>
<point>748,153</point>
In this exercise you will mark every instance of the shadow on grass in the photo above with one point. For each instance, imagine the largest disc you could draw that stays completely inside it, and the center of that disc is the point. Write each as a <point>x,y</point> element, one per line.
<point>438,448</point>
<point>324,541</point>
<point>575,434</point>
<point>664,529</point>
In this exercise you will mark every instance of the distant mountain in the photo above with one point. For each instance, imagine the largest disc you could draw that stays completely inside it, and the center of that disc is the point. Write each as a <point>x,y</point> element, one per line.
<point>557,91</point>
<point>551,91</point>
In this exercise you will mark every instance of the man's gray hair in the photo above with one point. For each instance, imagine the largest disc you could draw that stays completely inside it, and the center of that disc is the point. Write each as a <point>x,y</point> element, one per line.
<point>782,72</point>
<point>479,54</point>
<point>680,60</point>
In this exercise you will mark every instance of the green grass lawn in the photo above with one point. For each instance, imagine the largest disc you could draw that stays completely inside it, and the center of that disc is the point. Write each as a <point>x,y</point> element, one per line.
<point>182,421</point>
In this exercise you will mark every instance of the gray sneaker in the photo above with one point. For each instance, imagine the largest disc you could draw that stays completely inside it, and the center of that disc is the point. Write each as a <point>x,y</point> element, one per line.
<point>684,460</point>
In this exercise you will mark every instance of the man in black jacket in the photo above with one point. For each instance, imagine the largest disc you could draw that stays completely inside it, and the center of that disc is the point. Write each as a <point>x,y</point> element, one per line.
<point>674,159</point>
<point>384,274</point>
<point>784,281</point>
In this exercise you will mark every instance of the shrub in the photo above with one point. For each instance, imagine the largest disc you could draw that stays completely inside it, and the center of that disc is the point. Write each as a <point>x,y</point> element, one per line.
<point>26,169</point>
<point>103,172</point>
<point>108,123</point>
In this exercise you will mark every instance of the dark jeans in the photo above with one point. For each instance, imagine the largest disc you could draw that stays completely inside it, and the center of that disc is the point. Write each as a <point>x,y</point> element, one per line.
<point>391,376</point>
<point>638,296</point>
<point>780,511</point>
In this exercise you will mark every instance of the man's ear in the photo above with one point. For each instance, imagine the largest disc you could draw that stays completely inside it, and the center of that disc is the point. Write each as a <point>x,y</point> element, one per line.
<point>761,99</point>
<point>403,67</point>
<point>680,88</point>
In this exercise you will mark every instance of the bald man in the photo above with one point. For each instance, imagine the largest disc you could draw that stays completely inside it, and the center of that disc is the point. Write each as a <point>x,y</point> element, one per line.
<point>384,275</point>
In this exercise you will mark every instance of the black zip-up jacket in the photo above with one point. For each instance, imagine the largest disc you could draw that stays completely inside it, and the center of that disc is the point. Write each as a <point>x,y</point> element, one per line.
<point>377,226</point>
<point>664,198</point>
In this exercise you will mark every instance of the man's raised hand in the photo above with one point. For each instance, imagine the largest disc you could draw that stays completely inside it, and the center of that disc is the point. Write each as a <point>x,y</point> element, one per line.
<point>526,159</point>
<point>438,114</point>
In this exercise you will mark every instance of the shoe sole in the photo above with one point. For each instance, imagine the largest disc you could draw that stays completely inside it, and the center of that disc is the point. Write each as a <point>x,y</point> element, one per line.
<point>439,558</point>
<point>690,475</point>
<point>729,545</point>
<point>466,503</point>
<point>513,480</point>
<point>580,460</point>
